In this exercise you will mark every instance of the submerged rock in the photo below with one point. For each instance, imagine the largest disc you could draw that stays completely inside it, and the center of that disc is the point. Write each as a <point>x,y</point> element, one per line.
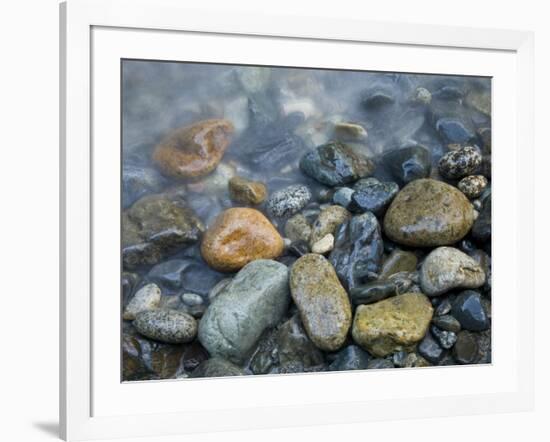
<point>393,324</point>
<point>155,227</point>
<point>254,301</point>
<point>472,186</point>
<point>170,326</point>
<point>247,192</point>
<point>430,349</point>
<point>239,236</point>
<point>408,163</point>
<point>195,150</point>
<point>335,164</point>
<point>288,201</point>
<point>350,358</point>
<point>146,298</point>
<point>139,181</point>
<point>295,347</point>
<point>328,221</point>
<point>398,261</point>
<point>358,250</point>
<point>466,349</point>
<point>321,300</point>
<point>428,213</point>
<point>469,311</point>
<point>446,268</point>
<point>217,367</point>
<point>481,229</point>
<point>375,291</point>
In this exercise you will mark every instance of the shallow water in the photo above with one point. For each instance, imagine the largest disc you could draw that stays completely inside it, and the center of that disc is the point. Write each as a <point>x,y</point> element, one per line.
<point>279,114</point>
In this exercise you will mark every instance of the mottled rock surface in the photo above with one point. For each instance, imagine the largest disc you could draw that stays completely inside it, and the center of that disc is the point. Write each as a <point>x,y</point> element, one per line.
<point>328,221</point>
<point>217,367</point>
<point>288,201</point>
<point>321,300</point>
<point>146,298</point>
<point>170,326</point>
<point>408,163</point>
<point>428,213</point>
<point>245,191</point>
<point>393,324</point>
<point>460,163</point>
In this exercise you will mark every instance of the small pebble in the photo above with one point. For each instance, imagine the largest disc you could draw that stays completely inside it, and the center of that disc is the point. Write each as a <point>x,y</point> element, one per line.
<point>146,298</point>
<point>447,322</point>
<point>460,163</point>
<point>324,245</point>
<point>192,299</point>
<point>472,186</point>
<point>288,201</point>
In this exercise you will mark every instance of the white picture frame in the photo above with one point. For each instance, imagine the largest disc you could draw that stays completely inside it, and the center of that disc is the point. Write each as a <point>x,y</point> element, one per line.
<point>96,33</point>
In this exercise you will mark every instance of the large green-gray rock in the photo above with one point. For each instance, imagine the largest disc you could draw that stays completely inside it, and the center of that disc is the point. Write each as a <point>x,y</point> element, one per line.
<point>254,301</point>
<point>323,303</point>
<point>428,213</point>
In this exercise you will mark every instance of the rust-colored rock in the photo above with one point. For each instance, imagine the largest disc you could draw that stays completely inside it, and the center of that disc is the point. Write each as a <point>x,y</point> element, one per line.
<point>193,151</point>
<point>238,236</point>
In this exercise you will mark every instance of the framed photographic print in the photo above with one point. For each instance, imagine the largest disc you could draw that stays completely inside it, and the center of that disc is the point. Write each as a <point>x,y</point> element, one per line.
<point>322,221</point>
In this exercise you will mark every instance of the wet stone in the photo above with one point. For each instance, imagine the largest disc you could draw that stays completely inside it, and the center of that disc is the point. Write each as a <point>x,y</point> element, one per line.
<point>466,349</point>
<point>299,248</point>
<point>294,346</point>
<point>247,192</point>
<point>324,245</point>
<point>460,163</point>
<point>378,364</point>
<point>468,310</point>
<point>447,322</point>
<point>428,213</point>
<point>372,195</point>
<point>398,261</point>
<point>430,349</point>
<point>357,250</point>
<point>192,299</point>
<point>288,201</point>
<point>217,367</point>
<point>298,228</point>
<point>349,131</point>
<point>342,197</point>
<point>481,229</point>
<point>139,181</point>
<point>335,164</point>
<point>329,220</point>
<point>323,303</point>
<point>409,163</point>
<point>146,298</point>
<point>472,185</point>
<point>351,357</point>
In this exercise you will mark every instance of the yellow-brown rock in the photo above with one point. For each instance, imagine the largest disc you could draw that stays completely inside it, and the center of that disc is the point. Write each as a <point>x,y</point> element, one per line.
<point>193,151</point>
<point>238,236</point>
<point>392,325</point>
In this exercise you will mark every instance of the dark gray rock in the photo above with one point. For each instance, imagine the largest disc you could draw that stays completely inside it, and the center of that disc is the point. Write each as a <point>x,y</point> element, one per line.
<point>465,350</point>
<point>342,197</point>
<point>358,250</point>
<point>481,229</point>
<point>335,164</point>
<point>430,349</point>
<point>299,248</point>
<point>371,195</point>
<point>294,346</point>
<point>375,291</point>
<point>288,201</point>
<point>138,181</point>
<point>377,364</point>
<point>408,163</point>
<point>254,301</point>
<point>469,311</point>
<point>445,338</point>
<point>351,357</point>
<point>443,308</point>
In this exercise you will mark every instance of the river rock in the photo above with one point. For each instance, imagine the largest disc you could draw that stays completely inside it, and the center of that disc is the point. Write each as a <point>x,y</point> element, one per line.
<point>295,347</point>
<point>447,322</point>
<point>351,357</point>
<point>321,300</point>
<point>408,163</point>
<point>146,298</point>
<point>372,195</point>
<point>379,364</point>
<point>342,197</point>
<point>469,311</point>
<point>335,164</point>
<point>155,227</point>
<point>392,325</point>
<point>398,261</point>
<point>239,236</point>
<point>473,185</point>
<point>246,192</point>
<point>349,131</point>
<point>375,291</point>
<point>328,221</point>
<point>139,181</point>
<point>298,228</point>
<point>445,338</point>
<point>466,349</point>
<point>446,268</point>
<point>460,163</point>
<point>170,326</point>
<point>254,301</point>
<point>481,229</point>
<point>193,151</point>
<point>428,213</point>
<point>324,245</point>
<point>430,349</point>
<point>217,367</point>
<point>288,201</point>
<point>358,250</point>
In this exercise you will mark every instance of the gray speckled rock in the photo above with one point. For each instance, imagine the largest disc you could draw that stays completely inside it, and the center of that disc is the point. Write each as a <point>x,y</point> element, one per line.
<point>459,163</point>
<point>472,185</point>
<point>255,300</point>
<point>146,298</point>
<point>446,268</point>
<point>298,228</point>
<point>288,201</point>
<point>170,326</point>
<point>335,164</point>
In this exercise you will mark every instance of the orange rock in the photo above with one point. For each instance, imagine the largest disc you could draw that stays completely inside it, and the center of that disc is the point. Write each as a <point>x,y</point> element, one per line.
<point>238,236</point>
<point>193,151</point>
